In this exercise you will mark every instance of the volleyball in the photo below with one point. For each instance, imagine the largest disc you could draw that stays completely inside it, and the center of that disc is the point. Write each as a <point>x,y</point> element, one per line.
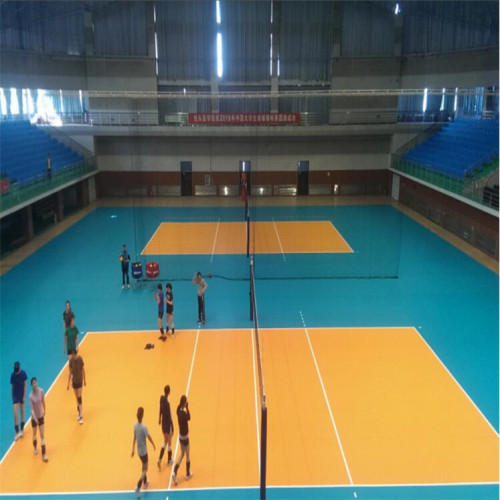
<point>121,258</point>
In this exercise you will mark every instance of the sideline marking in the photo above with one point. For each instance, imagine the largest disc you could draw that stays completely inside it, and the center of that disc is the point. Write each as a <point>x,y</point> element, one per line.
<point>326,399</point>
<point>279,241</point>
<point>456,381</point>
<point>46,393</point>
<point>215,240</point>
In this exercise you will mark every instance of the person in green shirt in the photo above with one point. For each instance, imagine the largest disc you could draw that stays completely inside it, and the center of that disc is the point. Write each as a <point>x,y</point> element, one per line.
<point>70,339</point>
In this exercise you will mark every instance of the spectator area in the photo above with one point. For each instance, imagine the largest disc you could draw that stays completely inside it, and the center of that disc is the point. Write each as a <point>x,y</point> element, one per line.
<point>23,152</point>
<point>459,149</point>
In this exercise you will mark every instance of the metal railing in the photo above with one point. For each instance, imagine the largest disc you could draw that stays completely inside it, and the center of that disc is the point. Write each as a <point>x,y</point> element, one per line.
<point>468,188</point>
<point>37,186</point>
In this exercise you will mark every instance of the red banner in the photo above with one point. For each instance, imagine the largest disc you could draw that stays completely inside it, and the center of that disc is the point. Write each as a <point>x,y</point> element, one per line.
<point>244,118</point>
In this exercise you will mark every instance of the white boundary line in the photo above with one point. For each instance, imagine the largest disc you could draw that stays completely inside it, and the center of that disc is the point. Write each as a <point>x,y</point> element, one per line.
<point>187,392</point>
<point>326,400</point>
<point>150,239</point>
<point>340,234</point>
<point>237,488</point>
<point>215,240</point>
<point>279,240</point>
<point>46,393</point>
<point>456,381</point>
<point>255,398</point>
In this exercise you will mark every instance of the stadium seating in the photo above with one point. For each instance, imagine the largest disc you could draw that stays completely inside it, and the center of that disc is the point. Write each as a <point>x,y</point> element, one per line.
<point>458,149</point>
<point>23,152</point>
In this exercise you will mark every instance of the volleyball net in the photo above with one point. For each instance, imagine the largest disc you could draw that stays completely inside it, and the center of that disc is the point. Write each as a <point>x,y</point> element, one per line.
<point>260,378</point>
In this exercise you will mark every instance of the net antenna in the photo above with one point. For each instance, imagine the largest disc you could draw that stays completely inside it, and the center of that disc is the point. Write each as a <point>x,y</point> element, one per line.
<point>262,392</point>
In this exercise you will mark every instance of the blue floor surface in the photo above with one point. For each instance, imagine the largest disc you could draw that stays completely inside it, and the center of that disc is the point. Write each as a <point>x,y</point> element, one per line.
<point>451,299</point>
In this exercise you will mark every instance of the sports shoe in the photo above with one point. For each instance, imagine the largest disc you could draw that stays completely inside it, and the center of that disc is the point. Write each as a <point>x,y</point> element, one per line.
<point>174,478</point>
<point>35,451</point>
<point>17,436</point>
<point>189,476</point>
<point>146,484</point>
<point>170,462</point>
<point>173,334</point>
<point>128,286</point>
<point>123,287</point>
<point>159,464</point>
<point>45,458</point>
<point>21,433</point>
<point>80,420</point>
<point>138,493</point>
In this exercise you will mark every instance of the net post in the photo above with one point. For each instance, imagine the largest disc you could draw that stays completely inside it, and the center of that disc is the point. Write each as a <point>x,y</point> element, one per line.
<point>263,451</point>
<point>252,291</point>
<point>248,234</point>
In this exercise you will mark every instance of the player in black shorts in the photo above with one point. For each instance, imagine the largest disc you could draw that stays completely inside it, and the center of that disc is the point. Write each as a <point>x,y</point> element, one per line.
<point>169,300</point>
<point>167,426</point>
<point>183,417</point>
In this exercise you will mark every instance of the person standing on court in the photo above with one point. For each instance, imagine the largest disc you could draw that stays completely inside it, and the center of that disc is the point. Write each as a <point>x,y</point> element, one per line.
<point>18,383</point>
<point>140,434</point>
<point>77,376</point>
<point>70,338</point>
<point>68,314</point>
<point>37,405</point>
<point>202,287</point>
<point>169,300</point>
<point>125,260</point>
<point>183,417</point>
<point>161,309</point>
<point>167,425</point>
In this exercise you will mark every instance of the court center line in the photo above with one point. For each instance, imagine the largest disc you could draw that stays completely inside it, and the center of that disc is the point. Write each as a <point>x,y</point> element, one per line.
<point>456,381</point>
<point>187,393</point>
<point>279,240</point>
<point>255,396</point>
<point>215,240</point>
<point>327,401</point>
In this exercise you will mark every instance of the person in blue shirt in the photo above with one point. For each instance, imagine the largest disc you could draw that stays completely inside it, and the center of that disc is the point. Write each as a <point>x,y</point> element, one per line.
<point>18,383</point>
<point>125,260</point>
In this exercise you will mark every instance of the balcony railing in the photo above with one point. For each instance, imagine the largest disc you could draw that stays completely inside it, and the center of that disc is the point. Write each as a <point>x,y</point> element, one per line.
<point>13,195</point>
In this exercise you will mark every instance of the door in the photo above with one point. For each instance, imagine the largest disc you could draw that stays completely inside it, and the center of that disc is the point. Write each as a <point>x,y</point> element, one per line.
<point>186,178</point>
<point>303,178</point>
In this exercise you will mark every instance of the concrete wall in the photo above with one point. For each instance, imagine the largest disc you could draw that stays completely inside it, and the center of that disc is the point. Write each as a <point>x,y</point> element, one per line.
<point>22,69</point>
<point>222,155</point>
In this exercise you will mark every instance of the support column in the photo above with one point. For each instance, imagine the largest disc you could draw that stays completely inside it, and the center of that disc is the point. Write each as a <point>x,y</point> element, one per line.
<point>398,42</point>
<point>28,223</point>
<point>89,33</point>
<point>150,28</point>
<point>337,13</point>
<point>275,31</point>
<point>59,206</point>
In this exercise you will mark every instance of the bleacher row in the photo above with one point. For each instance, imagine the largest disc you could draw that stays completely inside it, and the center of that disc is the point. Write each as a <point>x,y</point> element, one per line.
<point>459,149</point>
<point>24,149</point>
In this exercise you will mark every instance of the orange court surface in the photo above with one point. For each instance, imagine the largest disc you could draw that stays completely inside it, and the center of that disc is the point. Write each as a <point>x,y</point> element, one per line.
<point>348,406</point>
<point>181,238</point>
